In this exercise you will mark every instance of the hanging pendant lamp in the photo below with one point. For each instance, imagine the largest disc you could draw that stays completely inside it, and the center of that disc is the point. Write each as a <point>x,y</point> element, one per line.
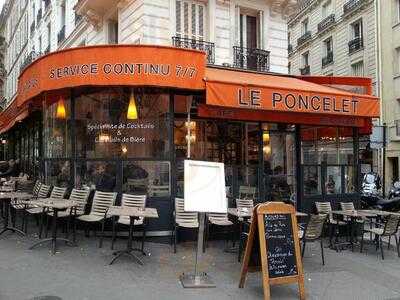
<point>132,113</point>
<point>61,112</point>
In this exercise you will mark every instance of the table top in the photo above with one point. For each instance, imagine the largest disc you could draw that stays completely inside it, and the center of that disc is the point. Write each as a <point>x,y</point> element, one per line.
<point>247,213</point>
<point>13,195</point>
<point>147,212</point>
<point>54,203</point>
<point>354,213</point>
<point>379,212</point>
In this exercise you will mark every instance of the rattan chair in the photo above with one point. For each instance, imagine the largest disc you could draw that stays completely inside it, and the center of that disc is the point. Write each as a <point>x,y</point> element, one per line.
<point>98,213</point>
<point>313,232</point>
<point>349,206</point>
<point>129,200</point>
<point>334,224</point>
<point>183,219</point>
<point>389,229</point>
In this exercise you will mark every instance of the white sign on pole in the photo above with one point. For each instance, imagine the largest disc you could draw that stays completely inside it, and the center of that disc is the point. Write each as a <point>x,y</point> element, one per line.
<point>204,187</point>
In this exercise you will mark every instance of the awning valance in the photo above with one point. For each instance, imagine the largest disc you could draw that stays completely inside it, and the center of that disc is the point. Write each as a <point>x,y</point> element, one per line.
<point>264,92</point>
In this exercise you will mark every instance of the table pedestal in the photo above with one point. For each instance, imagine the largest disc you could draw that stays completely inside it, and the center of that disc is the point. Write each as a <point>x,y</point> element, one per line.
<point>6,220</point>
<point>129,249</point>
<point>54,237</point>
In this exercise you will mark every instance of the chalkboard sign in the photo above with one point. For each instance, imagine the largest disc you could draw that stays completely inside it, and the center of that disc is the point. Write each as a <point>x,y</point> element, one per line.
<point>273,246</point>
<point>280,245</point>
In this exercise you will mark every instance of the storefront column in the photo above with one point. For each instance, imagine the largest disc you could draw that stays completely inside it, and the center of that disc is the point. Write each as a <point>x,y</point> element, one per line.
<point>356,168</point>
<point>298,173</point>
<point>261,173</point>
<point>172,157</point>
<point>73,139</point>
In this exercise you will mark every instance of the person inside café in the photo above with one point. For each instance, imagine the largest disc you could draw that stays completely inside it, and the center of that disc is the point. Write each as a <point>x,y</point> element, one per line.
<point>104,181</point>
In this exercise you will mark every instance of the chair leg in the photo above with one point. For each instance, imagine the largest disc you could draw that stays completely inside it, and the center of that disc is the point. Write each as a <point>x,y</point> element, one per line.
<point>322,253</point>
<point>175,237</point>
<point>362,242</point>
<point>102,233</point>
<point>113,233</point>
<point>389,242</point>
<point>330,235</point>
<point>46,226</point>
<point>381,246</point>
<point>397,245</point>
<point>144,235</point>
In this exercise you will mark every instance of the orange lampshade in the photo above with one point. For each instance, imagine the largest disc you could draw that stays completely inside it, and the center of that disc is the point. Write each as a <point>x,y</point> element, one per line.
<point>132,113</point>
<point>61,112</point>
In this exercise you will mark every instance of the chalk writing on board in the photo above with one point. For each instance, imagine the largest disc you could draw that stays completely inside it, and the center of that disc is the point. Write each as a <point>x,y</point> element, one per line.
<point>280,245</point>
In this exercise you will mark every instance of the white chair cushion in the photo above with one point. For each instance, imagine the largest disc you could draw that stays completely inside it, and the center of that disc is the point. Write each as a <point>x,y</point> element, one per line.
<point>124,220</point>
<point>220,222</point>
<point>188,224</point>
<point>90,218</point>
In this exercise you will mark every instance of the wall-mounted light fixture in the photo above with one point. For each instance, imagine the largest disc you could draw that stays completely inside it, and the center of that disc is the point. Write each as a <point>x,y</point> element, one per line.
<point>132,113</point>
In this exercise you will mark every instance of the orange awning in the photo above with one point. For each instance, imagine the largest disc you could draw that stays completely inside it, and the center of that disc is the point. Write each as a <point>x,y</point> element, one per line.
<point>266,92</point>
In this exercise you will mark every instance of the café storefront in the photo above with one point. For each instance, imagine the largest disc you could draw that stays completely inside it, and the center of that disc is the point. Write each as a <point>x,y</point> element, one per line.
<point>123,118</point>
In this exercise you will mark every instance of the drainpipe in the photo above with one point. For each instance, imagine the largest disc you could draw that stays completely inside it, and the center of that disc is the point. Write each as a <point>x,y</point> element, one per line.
<point>378,61</point>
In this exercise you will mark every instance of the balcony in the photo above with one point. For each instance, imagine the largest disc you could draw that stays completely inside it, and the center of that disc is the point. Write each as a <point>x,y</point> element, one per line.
<point>352,5</point>
<point>28,60</point>
<point>251,59</point>
<point>290,48</point>
<point>328,59</point>
<point>208,47</point>
<point>78,19</point>
<point>47,50</point>
<point>304,38</point>
<point>326,23</point>
<point>32,28</point>
<point>61,35</point>
<point>94,10</point>
<point>39,16</point>
<point>47,4</point>
<point>305,70</point>
<point>355,45</point>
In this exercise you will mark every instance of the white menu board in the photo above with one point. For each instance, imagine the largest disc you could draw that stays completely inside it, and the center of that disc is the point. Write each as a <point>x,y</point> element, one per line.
<point>204,187</point>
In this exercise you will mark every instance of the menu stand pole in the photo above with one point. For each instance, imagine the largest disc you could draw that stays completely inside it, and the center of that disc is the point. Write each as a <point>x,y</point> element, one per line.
<point>198,279</point>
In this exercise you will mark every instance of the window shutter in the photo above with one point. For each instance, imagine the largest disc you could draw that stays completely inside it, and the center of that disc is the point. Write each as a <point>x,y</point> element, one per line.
<point>178,11</point>
<point>193,19</point>
<point>201,22</point>
<point>186,19</point>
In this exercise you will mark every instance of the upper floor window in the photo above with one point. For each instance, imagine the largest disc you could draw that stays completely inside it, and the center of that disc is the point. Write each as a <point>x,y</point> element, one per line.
<point>249,28</point>
<point>304,26</point>
<point>328,45</point>
<point>305,59</point>
<point>397,61</point>
<point>326,9</point>
<point>112,31</point>
<point>356,30</point>
<point>190,19</point>
<point>398,10</point>
<point>357,69</point>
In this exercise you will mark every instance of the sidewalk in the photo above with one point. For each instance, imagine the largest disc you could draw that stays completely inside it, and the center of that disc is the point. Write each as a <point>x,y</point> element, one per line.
<point>83,273</point>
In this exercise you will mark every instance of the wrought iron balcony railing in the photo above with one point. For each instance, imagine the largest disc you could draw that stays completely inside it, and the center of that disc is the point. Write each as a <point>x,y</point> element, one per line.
<point>326,23</point>
<point>304,38</point>
<point>61,35</point>
<point>32,28</point>
<point>251,59</point>
<point>28,60</point>
<point>328,59</point>
<point>47,4</point>
<point>305,70</point>
<point>355,45</point>
<point>39,16</point>
<point>78,19</point>
<point>209,48</point>
<point>47,50</point>
<point>351,5</point>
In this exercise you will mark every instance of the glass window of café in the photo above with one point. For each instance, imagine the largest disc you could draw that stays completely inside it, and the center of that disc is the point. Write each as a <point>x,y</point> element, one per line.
<point>328,162</point>
<point>110,139</point>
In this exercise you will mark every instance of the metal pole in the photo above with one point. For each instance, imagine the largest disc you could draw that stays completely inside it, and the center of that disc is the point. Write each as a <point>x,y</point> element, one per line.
<point>384,160</point>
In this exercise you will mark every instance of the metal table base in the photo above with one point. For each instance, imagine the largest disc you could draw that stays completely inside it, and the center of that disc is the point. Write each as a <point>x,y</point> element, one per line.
<point>6,220</point>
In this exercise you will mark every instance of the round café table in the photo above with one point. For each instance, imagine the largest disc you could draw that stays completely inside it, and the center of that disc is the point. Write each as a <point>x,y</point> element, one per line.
<point>55,205</point>
<point>6,198</point>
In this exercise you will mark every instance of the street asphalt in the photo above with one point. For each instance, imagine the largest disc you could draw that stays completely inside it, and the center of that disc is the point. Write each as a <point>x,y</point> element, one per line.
<point>83,273</point>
